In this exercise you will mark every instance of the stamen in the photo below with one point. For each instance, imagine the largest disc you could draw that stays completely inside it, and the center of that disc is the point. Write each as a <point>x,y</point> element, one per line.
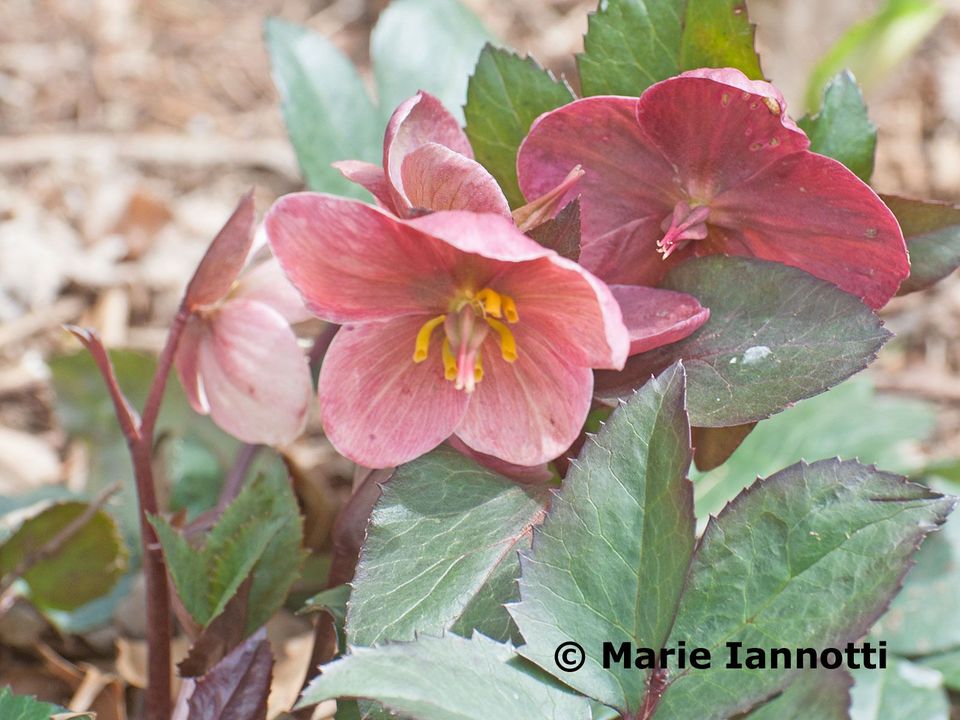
<point>449,361</point>
<point>508,344</point>
<point>491,301</point>
<point>510,309</point>
<point>478,370</point>
<point>422,346</point>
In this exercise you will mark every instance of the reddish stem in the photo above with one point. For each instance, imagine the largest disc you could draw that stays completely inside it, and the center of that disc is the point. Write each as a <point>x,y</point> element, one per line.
<point>139,436</point>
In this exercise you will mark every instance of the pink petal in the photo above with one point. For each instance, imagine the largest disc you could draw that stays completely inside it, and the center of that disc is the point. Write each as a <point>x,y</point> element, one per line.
<point>437,178</point>
<point>187,362</point>
<point>810,212</point>
<point>224,258</point>
<point>657,317</point>
<point>266,283</point>
<point>736,79</point>
<point>352,262</point>
<point>529,411</point>
<point>628,254</point>
<point>369,176</point>
<point>254,376</point>
<point>623,179</point>
<point>379,408</point>
<point>417,121</point>
<point>747,131</point>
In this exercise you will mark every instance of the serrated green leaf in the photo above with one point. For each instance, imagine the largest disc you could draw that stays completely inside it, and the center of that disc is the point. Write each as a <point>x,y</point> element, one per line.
<point>820,694</point>
<point>609,561</point>
<point>871,49</point>
<point>902,691</point>
<point>435,542</point>
<point>924,617</point>
<point>776,335</point>
<point>632,44</point>
<point>842,129</point>
<point>21,707</point>
<point>449,678</point>
<point>85,567</point>
<point>806,558</point>
<point>327,109</point>
<point>506,93</point>
<point>850,421</point>
<point>427,45</point>
<point>259,533</point>
<point>932,232</point>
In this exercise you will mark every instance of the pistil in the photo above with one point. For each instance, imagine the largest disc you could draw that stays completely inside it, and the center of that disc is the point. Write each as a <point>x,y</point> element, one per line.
<point>683,225</point>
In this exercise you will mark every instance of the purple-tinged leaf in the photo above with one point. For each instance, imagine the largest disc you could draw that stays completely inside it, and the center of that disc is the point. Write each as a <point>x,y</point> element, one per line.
<point>238,686</point>
<point>809,557</point>
<point>932,232</point>
<point>712,446</point>
<point>561,233</point>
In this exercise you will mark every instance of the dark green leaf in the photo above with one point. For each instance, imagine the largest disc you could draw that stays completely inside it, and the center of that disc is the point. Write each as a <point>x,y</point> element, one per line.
<point>932,232</point>
<point>806,558</point>
<point>842,129</point>
<point>632,44</point>
<point>561,233</point>
<point>820,694</point>
<point>84,568</point>
<point>260,533</point>
<point>21,707</point>
<point>609,561</point>
<point>776,335</point>
<point>849,421</point>
<point>427,45</point>
<point>903,691</point>
<point>328,112</point>
<point>449,678</point>
<point>435,542</point>
<point>333,602</point>
<point>872,48</point>
<point>505,95</point>
<point>714,446</point>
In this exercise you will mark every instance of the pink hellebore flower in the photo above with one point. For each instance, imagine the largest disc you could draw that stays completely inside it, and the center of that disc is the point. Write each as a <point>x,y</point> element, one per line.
<point>708,162</point>
<point>455,323</point>
<point>238,360</point>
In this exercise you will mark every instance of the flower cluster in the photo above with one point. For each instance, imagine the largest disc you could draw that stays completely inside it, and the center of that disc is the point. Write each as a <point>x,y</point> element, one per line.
<point>457,325</point>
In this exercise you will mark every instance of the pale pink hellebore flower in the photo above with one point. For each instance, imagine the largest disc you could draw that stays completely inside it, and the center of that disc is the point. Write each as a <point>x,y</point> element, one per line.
<point>454,323</point>
<point>238,360</point>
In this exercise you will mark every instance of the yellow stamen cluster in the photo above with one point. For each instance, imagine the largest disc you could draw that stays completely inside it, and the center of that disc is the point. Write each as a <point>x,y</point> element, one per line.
<point>488,305</point>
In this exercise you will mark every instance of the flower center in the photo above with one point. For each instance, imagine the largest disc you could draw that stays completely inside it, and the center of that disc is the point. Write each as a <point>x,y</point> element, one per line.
<point>683,225</point>
<point>471,317</point>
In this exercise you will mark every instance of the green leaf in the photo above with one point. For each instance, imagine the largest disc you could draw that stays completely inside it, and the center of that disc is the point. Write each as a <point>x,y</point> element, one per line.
<point>820,694</point>
<point>775,335</point>
<point>806,558</point>
<point>328,111</point>
<point>449,678</point>
<point>21,707</point>
<point>924,617</point>
<point>872,49</point>
<point>842,129</point>
<point>260,533</point>
<point>436,539</point>
<point>948,665</point>
<point>506,93</point>
<point>932,232</point>
<point>609,561</point>
<point>718,33</point>
<point>902,691</point>
<point>86,567</point>
<point>632,44</point>
<point>849,421</point>
<point>427,45</point>
<point>334,602</point>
